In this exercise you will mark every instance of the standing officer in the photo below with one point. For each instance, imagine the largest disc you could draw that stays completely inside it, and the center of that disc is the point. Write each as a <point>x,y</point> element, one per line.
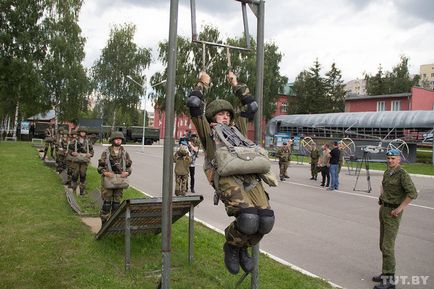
<point>314,157</point>
<point>114,160</point>
<point>81,150</point>
<point>284,155</point>
<point>397,191</point>
<point>243,194</point>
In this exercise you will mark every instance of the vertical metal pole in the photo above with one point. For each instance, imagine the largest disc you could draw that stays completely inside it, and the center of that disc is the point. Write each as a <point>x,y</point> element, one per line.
<point>145,86</point>
<point>255,273</point>
<point>259,113</point>
<point>127,237</point>
<point>194,35</point>
<point>246,25</point>
<point>168,147</point>
<point>190,233</point>
<point>259,73</point>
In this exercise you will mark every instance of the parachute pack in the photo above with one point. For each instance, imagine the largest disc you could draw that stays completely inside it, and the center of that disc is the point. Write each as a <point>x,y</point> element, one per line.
<point>237,155</point>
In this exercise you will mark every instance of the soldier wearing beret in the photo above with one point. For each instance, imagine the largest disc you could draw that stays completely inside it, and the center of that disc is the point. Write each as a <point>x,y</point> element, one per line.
<point>397,191</point>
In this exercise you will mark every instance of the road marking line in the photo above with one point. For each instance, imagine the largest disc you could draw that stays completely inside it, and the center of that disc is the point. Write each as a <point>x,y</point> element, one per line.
<point>355,194</point>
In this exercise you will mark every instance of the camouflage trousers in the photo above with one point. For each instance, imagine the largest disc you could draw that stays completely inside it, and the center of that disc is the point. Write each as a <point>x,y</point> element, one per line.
<point>109,196</point>
<point>313,170</point>
<point>283,167</point>
<point>388,230</point>
<point>78,170</point>
<point>239,193</point>
<point>60,162</point>
<point>181,187</point>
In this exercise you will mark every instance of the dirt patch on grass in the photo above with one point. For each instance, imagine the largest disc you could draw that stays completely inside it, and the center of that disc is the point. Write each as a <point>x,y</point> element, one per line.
<point>93,223</point>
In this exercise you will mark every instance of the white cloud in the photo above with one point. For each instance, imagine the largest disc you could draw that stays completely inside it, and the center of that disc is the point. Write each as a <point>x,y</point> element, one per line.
<point>357,35</point>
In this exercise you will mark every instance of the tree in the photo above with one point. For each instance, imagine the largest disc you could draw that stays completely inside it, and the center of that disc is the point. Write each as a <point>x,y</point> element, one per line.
<point>121,57</point>
<point>310,88</point>
<point>397,81</point>
<point>64,77</point>
<point>335,89</point>
<point>21,55</point>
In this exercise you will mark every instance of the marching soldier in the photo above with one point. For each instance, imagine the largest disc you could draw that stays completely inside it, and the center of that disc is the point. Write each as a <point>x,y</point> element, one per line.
<point>61,148</point>
<point>114,161</point>
<point>397,191</point>
<point>80,150</point>
<point>284,155</point>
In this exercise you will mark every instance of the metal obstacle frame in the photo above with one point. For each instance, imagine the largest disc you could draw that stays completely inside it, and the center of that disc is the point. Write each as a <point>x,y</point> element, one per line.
<point>145,216</point>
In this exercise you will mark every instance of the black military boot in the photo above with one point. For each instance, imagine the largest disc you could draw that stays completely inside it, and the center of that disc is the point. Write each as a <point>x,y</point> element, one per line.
<point>81,191</point>
<point>387,282</point>
<point>232,258</point>
<point>115,206</point>
<point>246,261</point>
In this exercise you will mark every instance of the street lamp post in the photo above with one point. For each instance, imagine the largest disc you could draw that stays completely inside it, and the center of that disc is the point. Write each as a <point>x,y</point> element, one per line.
<point>144,86</point>
<point>144,108</point>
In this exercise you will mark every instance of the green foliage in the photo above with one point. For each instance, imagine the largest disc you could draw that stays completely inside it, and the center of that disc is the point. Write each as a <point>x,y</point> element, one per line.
<point>317,94</point>
<point>119,97</point>
<point>190,63</point>
<point>397,81</point>
<point>64,77</point>
<point>22,52</point>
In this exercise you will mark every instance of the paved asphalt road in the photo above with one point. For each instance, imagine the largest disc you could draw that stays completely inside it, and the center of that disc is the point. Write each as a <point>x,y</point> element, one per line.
<point>333,234</point>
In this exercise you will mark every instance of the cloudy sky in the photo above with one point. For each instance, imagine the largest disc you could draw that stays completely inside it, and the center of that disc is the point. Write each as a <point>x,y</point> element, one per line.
<point>357,35</point>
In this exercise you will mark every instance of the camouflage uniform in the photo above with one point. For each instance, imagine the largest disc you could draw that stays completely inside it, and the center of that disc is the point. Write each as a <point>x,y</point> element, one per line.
<point>61,148</point>
<point>80,145</point>
<point>49,140</point>
<point>242,195</point>
<point>397,185</point>
<point>112,197</point>
<point>182,161</point>
<point>314,157</point>
<point>284,155</point>
<point>71,138</point>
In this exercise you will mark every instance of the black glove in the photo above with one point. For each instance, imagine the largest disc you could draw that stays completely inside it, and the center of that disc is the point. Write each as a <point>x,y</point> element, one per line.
<point>194,102</point>
<point>251,109</point>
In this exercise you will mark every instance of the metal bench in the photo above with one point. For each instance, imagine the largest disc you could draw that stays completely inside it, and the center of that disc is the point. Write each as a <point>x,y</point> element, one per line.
<point>145,215</point>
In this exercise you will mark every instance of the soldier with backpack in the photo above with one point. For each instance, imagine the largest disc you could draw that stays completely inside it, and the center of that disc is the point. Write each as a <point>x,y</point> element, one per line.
<point>222,134</point>
<point>182,160</point>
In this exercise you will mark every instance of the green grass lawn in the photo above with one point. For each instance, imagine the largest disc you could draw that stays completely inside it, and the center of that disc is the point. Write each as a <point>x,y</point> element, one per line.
<point>44,244</point>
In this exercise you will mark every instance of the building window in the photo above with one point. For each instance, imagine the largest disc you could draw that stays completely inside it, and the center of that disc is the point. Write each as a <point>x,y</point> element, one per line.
<point>284,107</point>
<point>381,106</point>
<point>396,105</point>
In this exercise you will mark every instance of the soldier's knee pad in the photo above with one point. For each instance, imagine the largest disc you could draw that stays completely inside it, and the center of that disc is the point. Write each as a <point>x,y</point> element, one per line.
<point>266,221</point>
<point>248,221</point>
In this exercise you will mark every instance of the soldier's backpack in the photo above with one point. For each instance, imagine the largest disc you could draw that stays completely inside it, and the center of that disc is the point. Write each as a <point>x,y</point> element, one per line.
<point>237,155</point>
<point>117,181</point>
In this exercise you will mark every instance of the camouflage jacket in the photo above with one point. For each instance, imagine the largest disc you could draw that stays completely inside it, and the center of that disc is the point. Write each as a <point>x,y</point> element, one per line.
<point>397,185</point>
<point>116,161</point>
<point>182,163</point>
<point>314,156</point>
<point>284,154</point>
<point>206,134</point>
<point>84,146</point>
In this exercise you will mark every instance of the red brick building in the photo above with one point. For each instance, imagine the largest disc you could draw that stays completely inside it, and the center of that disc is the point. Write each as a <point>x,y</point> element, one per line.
<point>418,99</point>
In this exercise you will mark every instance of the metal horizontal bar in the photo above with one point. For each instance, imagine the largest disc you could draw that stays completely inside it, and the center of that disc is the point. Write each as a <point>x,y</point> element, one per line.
<point>222,45</point>
<point>256,2</point>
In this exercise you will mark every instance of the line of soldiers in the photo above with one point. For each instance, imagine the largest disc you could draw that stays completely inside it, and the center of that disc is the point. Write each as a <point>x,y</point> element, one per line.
<point>72,153</point>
